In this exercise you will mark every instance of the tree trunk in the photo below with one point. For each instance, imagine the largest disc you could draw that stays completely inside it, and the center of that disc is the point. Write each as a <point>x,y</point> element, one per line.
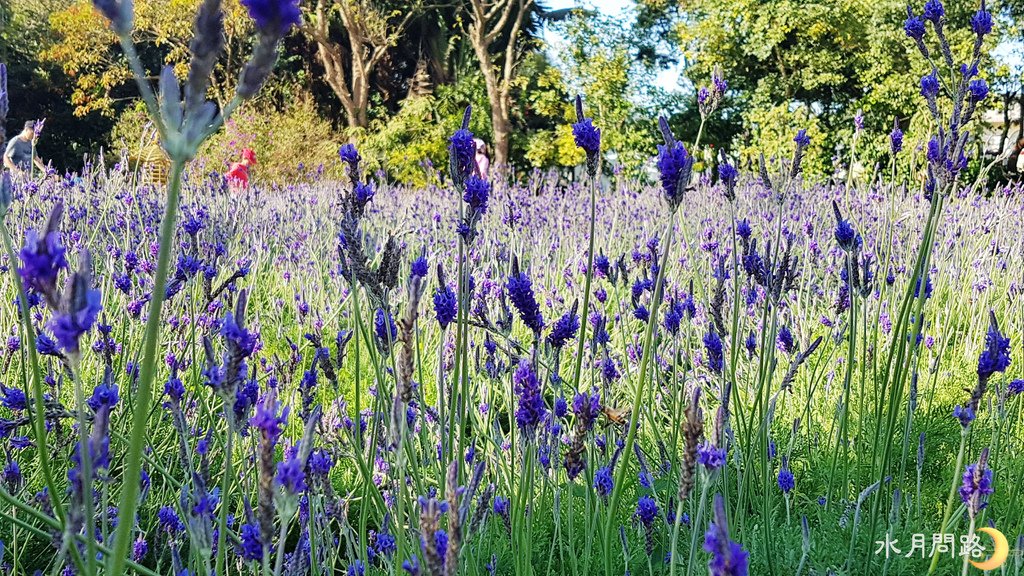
<point>488,21</point>
<point>1020,112</point>
<point>1007,98</point>
<point>353,89</point>
<point>501,124</point>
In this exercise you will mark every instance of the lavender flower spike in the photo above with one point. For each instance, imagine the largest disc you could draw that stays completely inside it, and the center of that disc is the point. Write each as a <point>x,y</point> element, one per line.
<point>79,309</point>
<point>273,18</point>
<point>119,12</point>
<point>3,96</point>
<point>728,558</point>
<point>675,166</point>
<point>587,137</point>
<point>977,485</point>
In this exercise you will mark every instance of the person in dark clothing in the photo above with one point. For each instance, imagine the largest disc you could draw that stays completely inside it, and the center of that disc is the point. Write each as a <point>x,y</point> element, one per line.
<point>19,154</point>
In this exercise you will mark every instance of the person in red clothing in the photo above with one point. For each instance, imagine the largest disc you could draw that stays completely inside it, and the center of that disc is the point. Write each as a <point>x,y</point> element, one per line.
<point>238,174</point>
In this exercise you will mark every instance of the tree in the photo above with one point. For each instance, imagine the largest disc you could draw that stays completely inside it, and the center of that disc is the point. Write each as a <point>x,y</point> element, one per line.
<point>598,60</point>
<point>369,31</point>
<point>39,88</point>
<point>829,57</point>
<point>498,53</point>
<point>88,52</point>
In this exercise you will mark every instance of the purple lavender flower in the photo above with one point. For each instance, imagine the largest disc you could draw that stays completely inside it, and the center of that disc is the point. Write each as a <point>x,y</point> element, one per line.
<point>530,409</point>
<point>250,547</point>
<point>419,267</point>
<point>786,342</point>
<point>913,26</point>
<point>139,549</point>
<point>169,521</point>
<point>274,17</point>
<point>896,138</point>
<point>43,258</point>
<point>785,480</point>
<point>802,139</point>
<point>266,418</point>
<point>977,90</point>
<point>411,566</point>
<point>934,11</point>
<point>462,153</point>
<point>4,101</point>
<point>977,485</point>
<point>501,506</point>
<point>363,193</point>
<point>291,475</point>
<point>520,292</point>
<point>996,355</point>
<point>728,174</point>
<point>12,476</point>
<point>929,86</point>
<point>587,136</point>
<point>47,346</point>
<point>646,510</point>
<point>104,397</point>
<point>561,407</point>
<point>713,347</point>
<point>845,235</point>
<point>964,414</point>
<point>981,21</point>
<point>80,309</point>
<point>603,482</point>
<point>350,156</point>
<point>476,194</point>
<point>710,456</point>
<point>1016,387</point>
<point>728,558</point>
<point>586,408</point>
<point>565,329</point>
<point>385,329</point>
<point>675,165</point>
<point>13,398</point>
<point>119,12</point>
<point>445,305</point>
<point>238,336</point>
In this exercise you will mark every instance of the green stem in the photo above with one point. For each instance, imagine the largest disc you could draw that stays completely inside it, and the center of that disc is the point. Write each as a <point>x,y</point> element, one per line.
<point>620,475</point>
<point>39,408</point>
<point>144,394</point>
<point>224,487</point>
<point>585,311</point>
<point>948,509</point>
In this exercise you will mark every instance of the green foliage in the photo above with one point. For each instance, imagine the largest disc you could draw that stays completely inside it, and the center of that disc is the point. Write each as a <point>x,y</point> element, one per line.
<point>87,51</point>
<point>830,58</point>
<point>772,131</point>
<point>290,144</point>
<point>548,101</point>
<point>597,63</point>
<point>413,143</point>
<point>40,89</point>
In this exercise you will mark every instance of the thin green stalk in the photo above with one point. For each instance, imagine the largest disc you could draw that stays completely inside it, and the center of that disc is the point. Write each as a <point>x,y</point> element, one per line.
<point>224,489</point>
<point>585,311</point>
<point>948,508</point>
<point>620,476</point>
<point>39,406</point>
<point>144,394</point>
<point>695,523</point>
<point>967,557</point>
<point>85,459</point>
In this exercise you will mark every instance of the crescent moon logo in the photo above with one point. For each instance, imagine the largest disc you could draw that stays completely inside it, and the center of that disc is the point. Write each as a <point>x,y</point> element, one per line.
<point>1000,550</point>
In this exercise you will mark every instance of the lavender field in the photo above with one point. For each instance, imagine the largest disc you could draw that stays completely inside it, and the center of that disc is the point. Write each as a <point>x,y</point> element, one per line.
<point>718,369</point>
